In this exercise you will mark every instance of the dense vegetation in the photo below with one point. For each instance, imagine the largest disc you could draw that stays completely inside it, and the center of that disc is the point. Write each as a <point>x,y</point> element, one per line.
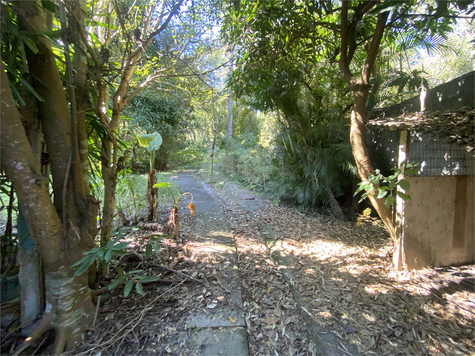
<point>273,94</point>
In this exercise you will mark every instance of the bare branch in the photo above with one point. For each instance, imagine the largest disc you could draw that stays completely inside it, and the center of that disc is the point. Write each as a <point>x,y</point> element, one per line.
<point>172,13</point>
<point>143,85</point>
<point>160,17</point>
<point>149,17</point>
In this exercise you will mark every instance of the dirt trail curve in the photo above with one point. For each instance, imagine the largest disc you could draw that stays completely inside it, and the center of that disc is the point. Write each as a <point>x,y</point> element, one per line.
<point>266,312</point>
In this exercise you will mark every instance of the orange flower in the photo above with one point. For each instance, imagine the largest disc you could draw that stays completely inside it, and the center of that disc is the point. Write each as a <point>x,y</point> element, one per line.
<point>192,208</point>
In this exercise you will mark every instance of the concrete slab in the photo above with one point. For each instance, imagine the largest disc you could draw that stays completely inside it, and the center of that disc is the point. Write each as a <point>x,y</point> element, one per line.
<point>220,330</point>
<point>216,320</point>
<point>220,317</point>
<point>222,341</point>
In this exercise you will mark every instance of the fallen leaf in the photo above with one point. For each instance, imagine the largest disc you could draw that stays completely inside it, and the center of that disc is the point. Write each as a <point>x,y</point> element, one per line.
<point>271,320</point>
<point>349,329</point>
<point>233,320</point>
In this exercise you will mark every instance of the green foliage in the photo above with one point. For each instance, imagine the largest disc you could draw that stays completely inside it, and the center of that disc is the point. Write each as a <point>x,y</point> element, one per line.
<point>193,153</point>
<point>247,161</point>
<point>131,279</point>
<point>168,190</point>
<point>114,248</point>
<point>132,195</point>
<point>288,57</point>
<point>166,116</point>
<point>388,186</point>
<point>151,142</point>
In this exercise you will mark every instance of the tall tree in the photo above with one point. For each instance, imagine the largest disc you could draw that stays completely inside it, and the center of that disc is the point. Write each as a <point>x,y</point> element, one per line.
<point>62,228</point>
<point>117,50</point>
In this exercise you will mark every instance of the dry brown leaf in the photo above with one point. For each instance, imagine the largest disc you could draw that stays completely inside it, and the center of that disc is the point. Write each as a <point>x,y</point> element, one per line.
<point>271,320</point>
<point>192,208</point>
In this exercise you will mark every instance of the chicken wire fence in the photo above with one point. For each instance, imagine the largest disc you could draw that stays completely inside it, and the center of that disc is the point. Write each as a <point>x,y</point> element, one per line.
<point>440,157</point>
<point>436,154</point>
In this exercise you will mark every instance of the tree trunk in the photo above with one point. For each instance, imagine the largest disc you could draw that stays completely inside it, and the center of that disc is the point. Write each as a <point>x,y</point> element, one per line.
<point>360,88</point>
<point>360,153</point>
<point>335,207</point>
<point>68,303</point>
<point>29,277</point>
<point>109,176</point>
<point>77,20</point>
<point>230,114</point>
<point>152,196</point>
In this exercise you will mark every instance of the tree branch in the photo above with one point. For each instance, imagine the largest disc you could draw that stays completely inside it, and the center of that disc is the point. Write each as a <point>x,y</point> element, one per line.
<point>360,11</point>
<point>374,47</point>
<point>344,64</point>
<point>143,85</point>
<point>172,13</point>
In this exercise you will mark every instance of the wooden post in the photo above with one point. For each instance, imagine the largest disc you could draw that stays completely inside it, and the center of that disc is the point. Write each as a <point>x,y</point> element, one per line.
<point>399,258</point>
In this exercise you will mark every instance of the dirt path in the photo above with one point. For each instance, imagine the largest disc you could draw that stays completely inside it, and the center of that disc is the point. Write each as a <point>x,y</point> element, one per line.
<point>269,280</point>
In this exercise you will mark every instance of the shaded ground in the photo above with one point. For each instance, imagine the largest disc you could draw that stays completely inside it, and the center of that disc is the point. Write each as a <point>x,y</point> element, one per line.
<point>269,280</point>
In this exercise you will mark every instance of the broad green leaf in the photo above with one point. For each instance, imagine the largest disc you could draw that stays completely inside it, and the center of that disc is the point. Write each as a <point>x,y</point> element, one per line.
<point>382,193</point>
<point>145,139</point>
<point>156,247</point>
<point>145,279</point>
<point>95,38</point>
<point>404,196</point>
<point>120,234</point>
<point>116,283</point>
<point>31,44</point>
<point>139,288</point>
<point>389,201</point>
<point>362,198</point>
<point>121,246</point>
<point>155,144</point>
<point>108,255</point>
<point>404,184</point>
<point>128,287</point>
<point>366,185</point>
<point>25,83</point>
<point>152,141</point>
<point>162,185</point>
<point>411,171</point>
<point>88,261</point>
<point>148,251</point>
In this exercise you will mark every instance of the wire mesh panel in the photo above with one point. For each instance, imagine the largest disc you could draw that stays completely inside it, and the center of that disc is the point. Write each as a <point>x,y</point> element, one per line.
<point>440,157</point>
<point>383,146</point>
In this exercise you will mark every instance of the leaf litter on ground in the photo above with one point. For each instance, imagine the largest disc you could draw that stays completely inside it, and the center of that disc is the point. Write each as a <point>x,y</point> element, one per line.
<point>342,271</point>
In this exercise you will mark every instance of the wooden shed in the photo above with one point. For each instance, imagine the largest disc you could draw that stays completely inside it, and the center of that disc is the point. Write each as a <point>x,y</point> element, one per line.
<point>436,129</point>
